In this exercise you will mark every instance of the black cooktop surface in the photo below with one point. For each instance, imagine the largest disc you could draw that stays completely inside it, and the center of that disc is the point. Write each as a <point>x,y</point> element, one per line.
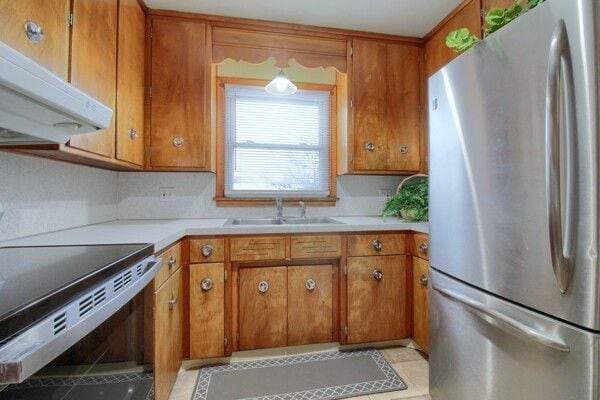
<point>35,281</point>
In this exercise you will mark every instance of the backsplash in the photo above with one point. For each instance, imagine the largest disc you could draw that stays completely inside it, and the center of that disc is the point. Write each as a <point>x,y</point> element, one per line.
<point>193,193</point>
<point>41,195</point>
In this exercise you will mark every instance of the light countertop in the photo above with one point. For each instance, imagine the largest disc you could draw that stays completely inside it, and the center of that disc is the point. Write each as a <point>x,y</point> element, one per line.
<point>162,233</point>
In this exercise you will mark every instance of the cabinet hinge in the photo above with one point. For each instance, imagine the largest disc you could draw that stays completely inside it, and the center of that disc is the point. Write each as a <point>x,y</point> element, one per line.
<point>351,103</point>
<point>225,275</point>
<point>351,51</point>
<point>225,341</point>
<point>346,330</point>
<point>70,18</point>
<point>483,12</point>
<point>151,31</point>
<point>237,336</point>
<point>150,91</point>
<point>345,270</point>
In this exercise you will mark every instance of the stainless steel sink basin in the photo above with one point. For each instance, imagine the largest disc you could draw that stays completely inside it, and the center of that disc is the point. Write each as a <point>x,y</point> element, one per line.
<point>283,221</point>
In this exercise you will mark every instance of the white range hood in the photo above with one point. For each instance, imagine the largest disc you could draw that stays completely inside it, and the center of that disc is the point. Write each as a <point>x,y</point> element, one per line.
<point>36,106</point>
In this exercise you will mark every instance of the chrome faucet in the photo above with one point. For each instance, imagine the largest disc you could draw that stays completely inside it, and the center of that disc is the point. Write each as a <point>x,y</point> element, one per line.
<point>279,205</point>
<point>302,209</point>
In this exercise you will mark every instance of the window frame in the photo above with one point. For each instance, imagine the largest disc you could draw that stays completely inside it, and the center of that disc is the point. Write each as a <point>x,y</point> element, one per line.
<point>220,198</point>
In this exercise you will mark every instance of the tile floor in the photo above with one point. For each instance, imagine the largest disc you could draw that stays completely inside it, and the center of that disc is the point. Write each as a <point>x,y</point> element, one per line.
<point>408,363</point>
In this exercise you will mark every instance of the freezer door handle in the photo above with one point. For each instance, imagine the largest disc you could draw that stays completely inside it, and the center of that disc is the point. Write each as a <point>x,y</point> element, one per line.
<point>559,105</point>
<point>502,321</point>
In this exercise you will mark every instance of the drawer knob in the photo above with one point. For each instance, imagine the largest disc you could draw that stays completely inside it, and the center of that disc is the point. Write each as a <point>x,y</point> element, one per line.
<point>34,32</point>
<point>370,146</point>
<point>178,141</point>
<point>423,247</point>
<point>263,287</point>
<point>133,134</point>
<point>207,250</point>
<point>403,149</point>
<point>311,284</point>
<point>378,275</point>
<point>377,245</point>
<point>172,261</point>
<point>172,302</point>
<point>423,279</point>
<point>206,284</point>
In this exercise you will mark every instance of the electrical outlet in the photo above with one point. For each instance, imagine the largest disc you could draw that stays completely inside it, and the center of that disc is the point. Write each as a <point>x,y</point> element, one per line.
<point>384,194</point>
<point>166,193</point>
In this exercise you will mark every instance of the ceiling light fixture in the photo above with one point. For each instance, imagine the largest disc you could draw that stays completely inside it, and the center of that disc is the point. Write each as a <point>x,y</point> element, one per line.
<point>281,86</point>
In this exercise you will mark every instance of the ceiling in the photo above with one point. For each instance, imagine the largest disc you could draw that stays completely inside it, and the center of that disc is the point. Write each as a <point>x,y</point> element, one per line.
<point>397,17</point>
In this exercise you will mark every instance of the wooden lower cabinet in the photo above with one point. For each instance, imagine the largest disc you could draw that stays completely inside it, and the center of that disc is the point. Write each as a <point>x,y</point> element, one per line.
<point>376,298</point>
<point>310,304</point>
<point>168,325</point>
<point>420,302</point>
<point>262,308</point>
<point>207,310</point>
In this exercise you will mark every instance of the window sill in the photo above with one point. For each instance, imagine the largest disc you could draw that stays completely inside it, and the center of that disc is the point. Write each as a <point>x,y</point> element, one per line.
<point>257,202</point>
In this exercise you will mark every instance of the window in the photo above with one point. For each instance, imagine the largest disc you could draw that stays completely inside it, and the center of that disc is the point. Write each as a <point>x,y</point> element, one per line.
<point>276,146</point>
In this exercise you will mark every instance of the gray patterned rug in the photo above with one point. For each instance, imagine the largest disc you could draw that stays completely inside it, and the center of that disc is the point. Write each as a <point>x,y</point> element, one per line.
<point>320,376</point>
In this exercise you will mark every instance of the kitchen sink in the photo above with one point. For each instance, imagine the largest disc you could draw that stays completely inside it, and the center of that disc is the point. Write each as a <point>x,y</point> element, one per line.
<point>282,221</point>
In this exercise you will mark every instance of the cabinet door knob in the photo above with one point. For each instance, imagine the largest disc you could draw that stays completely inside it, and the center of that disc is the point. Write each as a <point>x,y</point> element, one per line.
<point>370,146</point>
<point>133,134</point>
<point>403,149</point>
<point>377,274</point>
<point>377,245</point>
<point>206,284</point>
<point>172,302</point>
<point>263,287</point>
<point>207,250</point>
<point>423,279</point>
<point>34,32</point>
<point>172,261</point>
<point>423,247</point>
<point>311,284</point>
<point>178,141</point>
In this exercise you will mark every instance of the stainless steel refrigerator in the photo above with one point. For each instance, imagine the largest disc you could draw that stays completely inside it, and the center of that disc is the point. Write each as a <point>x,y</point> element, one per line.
<point>515,282</point>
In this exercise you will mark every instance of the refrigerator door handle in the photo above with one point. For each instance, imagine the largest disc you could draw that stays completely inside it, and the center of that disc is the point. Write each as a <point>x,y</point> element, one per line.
<point>501,321</point>
<point>559,69</point>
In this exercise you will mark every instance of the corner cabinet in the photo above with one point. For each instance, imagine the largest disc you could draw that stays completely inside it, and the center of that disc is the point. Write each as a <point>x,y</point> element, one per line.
<point>179,137</point>
<point>385,116</point>
<point>420,281</point>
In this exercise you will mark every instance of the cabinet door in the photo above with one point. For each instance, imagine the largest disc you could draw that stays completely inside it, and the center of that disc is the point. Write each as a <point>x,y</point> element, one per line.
<point>94,66</point>
<point>376,298</point>
<point>262,307</point>
<point>207,310</point>
<point>386,116</point>
<point>310,304</point>
<point>52,51</point>
<point>130,82</point>
<point>179,138</point>
<point>168,325</point>
<point>420,302</point>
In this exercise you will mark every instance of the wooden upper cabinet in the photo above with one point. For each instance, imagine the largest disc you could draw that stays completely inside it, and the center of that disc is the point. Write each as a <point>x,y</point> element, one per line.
<point>94,66</point>
<point>180,78</point>
<point>437,54</point>
<point>52,50</point>
<point>130,82</point>
<point>385,85</point>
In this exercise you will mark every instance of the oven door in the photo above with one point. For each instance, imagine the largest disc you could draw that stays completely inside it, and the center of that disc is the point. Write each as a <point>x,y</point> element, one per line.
<point>108,363</point>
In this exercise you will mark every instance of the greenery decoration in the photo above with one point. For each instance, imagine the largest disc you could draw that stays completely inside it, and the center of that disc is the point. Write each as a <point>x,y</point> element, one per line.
<point>411,202</point>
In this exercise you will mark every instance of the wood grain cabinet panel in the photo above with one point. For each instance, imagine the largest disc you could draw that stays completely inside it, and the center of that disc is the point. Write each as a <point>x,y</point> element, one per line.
<point>168,325</point>
<point>262,308</point>
<point>377,244</point>
<point>385,107</point>
<point>310,304</point>
<point>171,262</point>
<point>207,250</point>
<point>316,246</point>
<point>376,298</point>
<point>420,302</point>
<point>258,248</point>
<point>130,82</point>
<point>52,51</point>
<point>207,310</point>
<point>94,66</point>
<point>179,137</point>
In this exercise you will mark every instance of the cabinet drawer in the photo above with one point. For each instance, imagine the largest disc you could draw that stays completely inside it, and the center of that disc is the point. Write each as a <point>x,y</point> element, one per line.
<point>377,244</point>
<point>171,263</point>
<point>316,247</point>
<point>254,249</point>
<point>206,250</point>
<point>420,245</point>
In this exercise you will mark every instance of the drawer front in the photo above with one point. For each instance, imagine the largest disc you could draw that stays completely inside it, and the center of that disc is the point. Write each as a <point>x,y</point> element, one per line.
<point>377,244</point>
<point>255,249</point>
<point>420,245</point>
<point>316,247</point>
<point>207,250</point>
<point>171,263</point>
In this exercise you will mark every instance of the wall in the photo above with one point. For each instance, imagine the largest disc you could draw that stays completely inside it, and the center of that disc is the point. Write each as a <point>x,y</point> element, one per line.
<point>42,195</point>
<point>193,195</point>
